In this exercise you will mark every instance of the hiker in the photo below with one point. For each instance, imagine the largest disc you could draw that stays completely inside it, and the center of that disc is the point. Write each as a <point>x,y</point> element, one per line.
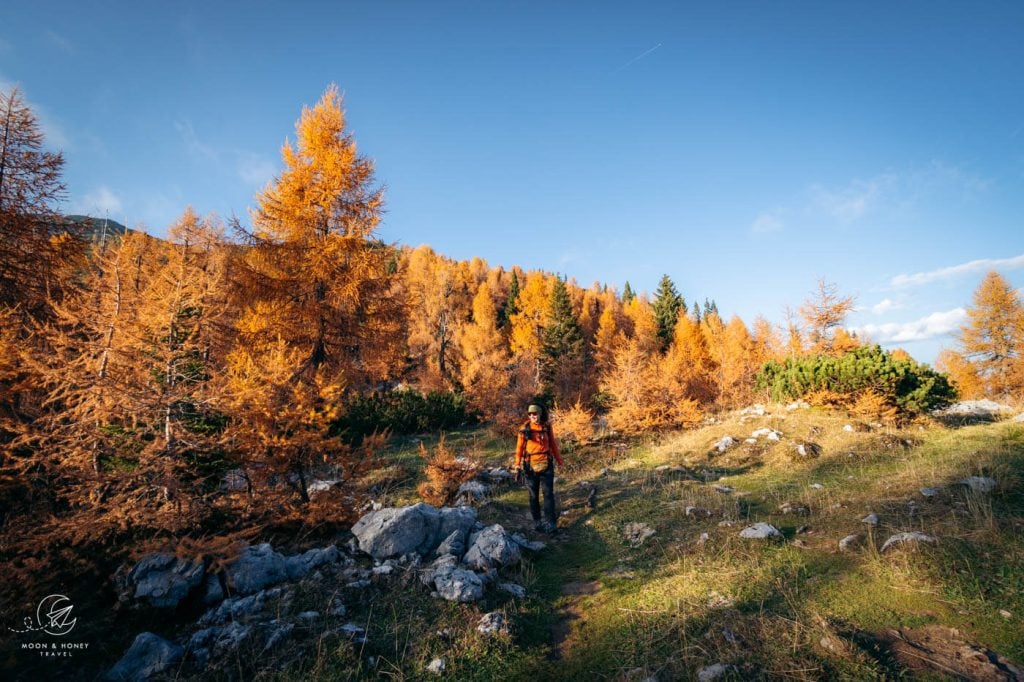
<point>536,454</point>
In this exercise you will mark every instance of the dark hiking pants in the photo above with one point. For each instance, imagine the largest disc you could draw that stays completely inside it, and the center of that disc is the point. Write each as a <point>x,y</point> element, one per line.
<point>534,482</point>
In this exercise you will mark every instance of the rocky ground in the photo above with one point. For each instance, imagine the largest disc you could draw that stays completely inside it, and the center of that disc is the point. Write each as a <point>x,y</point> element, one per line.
<point>778,541</point>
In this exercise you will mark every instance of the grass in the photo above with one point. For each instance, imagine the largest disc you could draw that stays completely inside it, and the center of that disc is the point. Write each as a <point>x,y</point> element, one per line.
<point>798,608</point>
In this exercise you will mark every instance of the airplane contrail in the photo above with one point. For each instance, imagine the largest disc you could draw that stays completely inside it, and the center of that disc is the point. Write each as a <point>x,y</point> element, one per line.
<point>637,58</point>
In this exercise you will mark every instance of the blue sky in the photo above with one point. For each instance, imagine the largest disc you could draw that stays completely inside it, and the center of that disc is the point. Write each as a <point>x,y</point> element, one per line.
<point>745,149</point>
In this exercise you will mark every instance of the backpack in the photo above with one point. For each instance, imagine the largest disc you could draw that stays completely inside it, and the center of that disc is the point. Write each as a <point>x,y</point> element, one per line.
<point>539,462</point>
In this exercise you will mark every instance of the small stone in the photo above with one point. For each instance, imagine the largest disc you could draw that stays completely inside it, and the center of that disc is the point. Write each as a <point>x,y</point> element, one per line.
<point>351,630</point>
<point>849,542</point>
<point>750,441</point>
<point>726,524</point>
<point>980,484</point>
<point>713,672</point>
<point>724,443</point>
<point>871,519</point>
<point>848,428</point>
<point>724,489</point>
<point>637,533</point>
<point>930,492</point>
<point>817,486</point>
<point>308,615</point>
<point>1005,614</point>
<point>697,512</point>
<point>516,590</point>
<point>492,624</point>
<point>913,537</point>
<point>436,666</point>
<point>760,531</point>
<point>703,539</point>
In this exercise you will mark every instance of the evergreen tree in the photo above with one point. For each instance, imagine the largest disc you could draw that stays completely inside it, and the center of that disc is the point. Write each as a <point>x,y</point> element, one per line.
<point>563,346</point>
<point>667,304</point>
<point>627,293</point>
<point>511,303</point>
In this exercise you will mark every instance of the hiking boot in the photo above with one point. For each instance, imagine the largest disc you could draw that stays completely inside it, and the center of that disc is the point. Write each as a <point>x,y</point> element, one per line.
<point>549,528</point>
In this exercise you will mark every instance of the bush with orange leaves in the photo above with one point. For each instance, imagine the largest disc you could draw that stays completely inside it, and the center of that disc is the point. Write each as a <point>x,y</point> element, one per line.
<point>872,405</point>
<point>445,473</point>
<point>575,425</point>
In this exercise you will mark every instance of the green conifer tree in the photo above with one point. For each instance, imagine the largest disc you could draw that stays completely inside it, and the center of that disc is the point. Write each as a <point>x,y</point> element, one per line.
<point>563,349</point>
<point>627,293</point>
<point>511,303</point>
<point>667,304</point>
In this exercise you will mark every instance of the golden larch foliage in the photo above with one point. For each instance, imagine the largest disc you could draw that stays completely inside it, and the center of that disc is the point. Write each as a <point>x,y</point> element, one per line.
<point>445,473</point>
<point>485,357</point>
<point>527,325</point>
<point>823,312</point>
<point>963,374</point>
<point>993,338</point>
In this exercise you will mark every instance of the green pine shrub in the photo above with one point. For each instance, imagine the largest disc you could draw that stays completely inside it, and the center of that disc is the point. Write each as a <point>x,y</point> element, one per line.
<point>909,386</point>
<point>402,412</point>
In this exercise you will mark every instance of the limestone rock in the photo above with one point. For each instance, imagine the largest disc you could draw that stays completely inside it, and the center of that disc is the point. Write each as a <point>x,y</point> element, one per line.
<point>149,655</point>
<point>161,580</point>
<point>492,624</point>
<point>760,531</point>
<point>490,548</point>
<point>299,565</point>
<point>849,542</point>
<point>724,443</point>
<point>711,673</point>
<point>459,585</point>
<point>394,531</point>
<point>911,538</point>
<point>637,533</point>
<point>256,568</point>
<point>515,589</point>
<point>980,484</point>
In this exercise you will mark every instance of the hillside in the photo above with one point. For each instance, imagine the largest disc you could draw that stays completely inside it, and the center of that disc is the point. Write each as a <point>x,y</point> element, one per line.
<point>656,583</point>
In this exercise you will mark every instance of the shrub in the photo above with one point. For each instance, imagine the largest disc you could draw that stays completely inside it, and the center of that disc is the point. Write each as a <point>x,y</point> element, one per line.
<point>902,383</point>
<point>575,424</point>
<point>445,473</point>
<point>404,411</point>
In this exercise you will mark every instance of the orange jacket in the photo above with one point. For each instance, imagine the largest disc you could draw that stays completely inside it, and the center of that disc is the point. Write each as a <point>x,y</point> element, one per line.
<point>541,442</point>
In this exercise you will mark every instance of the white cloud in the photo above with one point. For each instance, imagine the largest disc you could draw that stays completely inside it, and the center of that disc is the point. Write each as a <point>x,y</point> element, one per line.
<point>936,324</point>
<point>255,170</point>
<point>193,144</point>
<point>101,200</point>
<point>59,41</point>
<point>884,306</point>
<point>851,202</point>
<point>952,271</point>
<point>766,222</point>
<point>893,190</point>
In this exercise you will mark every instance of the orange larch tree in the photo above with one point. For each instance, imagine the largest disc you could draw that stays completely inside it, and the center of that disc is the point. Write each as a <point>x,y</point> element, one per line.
<point>319,316</point>
<point>993,338</point>
<point>485,356</point>
<point>823,312</point>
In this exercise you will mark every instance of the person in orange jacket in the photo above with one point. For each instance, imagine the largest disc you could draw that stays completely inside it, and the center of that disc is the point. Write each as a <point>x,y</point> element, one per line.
<point>536,454</point>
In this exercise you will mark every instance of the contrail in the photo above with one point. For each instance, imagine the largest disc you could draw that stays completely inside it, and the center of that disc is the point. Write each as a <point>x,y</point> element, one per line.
<point>635,59</point>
